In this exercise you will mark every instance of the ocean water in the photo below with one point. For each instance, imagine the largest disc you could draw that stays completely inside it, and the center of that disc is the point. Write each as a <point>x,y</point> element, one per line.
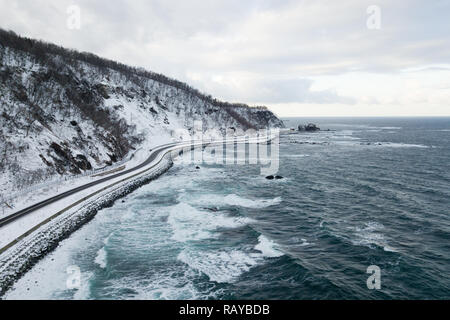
<point>367,192</point>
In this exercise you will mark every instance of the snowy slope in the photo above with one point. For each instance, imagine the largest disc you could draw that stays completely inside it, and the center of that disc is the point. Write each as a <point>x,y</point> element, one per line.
<point>66,113</point>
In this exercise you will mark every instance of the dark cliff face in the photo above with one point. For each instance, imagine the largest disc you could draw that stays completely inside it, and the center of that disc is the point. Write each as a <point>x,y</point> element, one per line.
<point>65,112</point>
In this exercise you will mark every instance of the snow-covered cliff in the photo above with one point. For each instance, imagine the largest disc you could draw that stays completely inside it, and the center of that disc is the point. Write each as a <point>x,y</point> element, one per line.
<point>64,113</point>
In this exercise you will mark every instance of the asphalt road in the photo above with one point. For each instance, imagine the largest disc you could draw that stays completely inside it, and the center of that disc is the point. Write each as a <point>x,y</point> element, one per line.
<point>7,220</point>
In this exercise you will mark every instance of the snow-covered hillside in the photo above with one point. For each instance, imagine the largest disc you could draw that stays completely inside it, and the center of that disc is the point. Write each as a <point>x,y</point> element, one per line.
<point>64,113</point>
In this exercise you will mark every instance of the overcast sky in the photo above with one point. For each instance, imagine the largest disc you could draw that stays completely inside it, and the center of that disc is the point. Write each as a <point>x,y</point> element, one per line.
<point>300,58</point>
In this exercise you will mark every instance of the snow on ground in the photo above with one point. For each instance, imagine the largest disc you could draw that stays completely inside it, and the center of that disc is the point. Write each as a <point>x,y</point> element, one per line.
<point>48,189</point>
<point>13,230</point>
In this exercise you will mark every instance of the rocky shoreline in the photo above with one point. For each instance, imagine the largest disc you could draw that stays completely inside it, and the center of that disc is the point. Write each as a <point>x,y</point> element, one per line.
<point>15,262</point>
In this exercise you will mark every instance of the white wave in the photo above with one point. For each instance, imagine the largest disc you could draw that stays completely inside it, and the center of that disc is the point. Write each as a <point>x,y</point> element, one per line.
<point>380,144</point>
<point>371,235</point>
<point>389,249</point>
<point>347,143</point>
<point>305,243</point>
<point>344,137</point>
<point>226,266</point>
<point>179,181</point>
<point>235,200</point>
<point>101,258</point>
<point>221,266</point>
<point>364,126</point>
<point>345,134</point>
<point>297,155</point>
<point>299,242</point>
<point>84,291</point>
<point>399,145</point>
<point>372,226</point>
<point>47,280</point>
<point>106,240</point>
<point>172,283</point>
<point>169,291</point>
<point>268,247</point>
<point>189,223</point>
<point>390,128</point>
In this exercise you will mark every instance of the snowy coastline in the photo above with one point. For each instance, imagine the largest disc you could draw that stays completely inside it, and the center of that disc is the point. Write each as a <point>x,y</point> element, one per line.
<point>24,255</point>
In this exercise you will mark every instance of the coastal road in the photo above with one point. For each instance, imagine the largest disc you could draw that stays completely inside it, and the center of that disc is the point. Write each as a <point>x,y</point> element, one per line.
<point>153,155</point>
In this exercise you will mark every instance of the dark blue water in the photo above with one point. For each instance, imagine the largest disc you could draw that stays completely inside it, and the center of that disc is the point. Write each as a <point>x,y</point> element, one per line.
<point>368,192</point>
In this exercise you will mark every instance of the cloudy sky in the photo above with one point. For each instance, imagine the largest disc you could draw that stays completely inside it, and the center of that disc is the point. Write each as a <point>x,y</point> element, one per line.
<point>300,58</point>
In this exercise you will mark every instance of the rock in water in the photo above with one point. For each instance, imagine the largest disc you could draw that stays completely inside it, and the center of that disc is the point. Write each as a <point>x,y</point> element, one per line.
<point>274,177</point>
<point>311,127</point>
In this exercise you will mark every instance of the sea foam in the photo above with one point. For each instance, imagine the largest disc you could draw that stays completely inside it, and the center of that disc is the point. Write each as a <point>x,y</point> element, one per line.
<point>371,235</point>
<point>101,257</point>
<point>268,247</point>
<point>226,266</point>
<point>235,200</point>
<point>219,266</point>
<point>189,223</point>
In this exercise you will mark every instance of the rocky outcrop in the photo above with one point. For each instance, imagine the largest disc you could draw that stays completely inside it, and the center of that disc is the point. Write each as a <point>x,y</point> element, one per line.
<point>65,161</point>
<point>274,177</point>
<point>311,127</point>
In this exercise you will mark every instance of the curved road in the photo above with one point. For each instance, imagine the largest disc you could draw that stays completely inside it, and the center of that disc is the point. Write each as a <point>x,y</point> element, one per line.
<point>7,220</point>
<point>153,155</point>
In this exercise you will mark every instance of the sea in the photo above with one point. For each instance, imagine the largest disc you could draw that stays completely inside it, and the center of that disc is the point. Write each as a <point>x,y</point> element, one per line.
<point>363,212</point>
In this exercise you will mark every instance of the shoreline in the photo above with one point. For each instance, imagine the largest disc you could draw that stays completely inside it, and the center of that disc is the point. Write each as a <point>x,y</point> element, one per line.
<point>26,253</point>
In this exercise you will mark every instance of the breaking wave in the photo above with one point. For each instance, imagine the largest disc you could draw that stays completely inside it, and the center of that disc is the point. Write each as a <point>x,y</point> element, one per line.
<point>234,200</point>
<point>189,223</point>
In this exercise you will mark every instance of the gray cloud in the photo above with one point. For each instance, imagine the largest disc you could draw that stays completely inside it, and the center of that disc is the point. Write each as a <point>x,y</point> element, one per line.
<point>264,51</point>
<point>296,90</point>
<point>266,90</point>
